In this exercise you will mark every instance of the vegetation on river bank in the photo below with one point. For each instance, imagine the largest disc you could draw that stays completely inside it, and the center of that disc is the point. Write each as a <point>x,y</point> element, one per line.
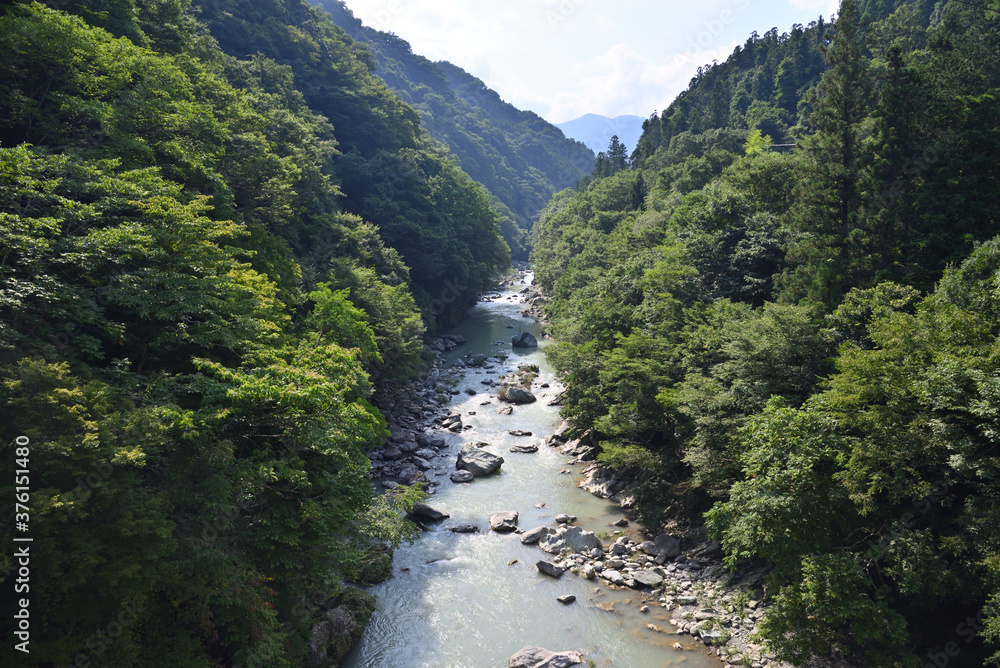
<point>800,343</point>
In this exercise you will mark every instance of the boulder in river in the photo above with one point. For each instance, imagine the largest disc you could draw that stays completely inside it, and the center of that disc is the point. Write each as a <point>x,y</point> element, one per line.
<point>531,537</point>
<point>423,512</point>
<point>464,528</point>
<point>504,521</point>
<point>518,395</point>
<point>478,462</point>
<point>549,568</point>
<point>573,537</point>
<point>531,447</point>
<point>462,476</point>
<point>536,657</point>
<point>524,340</point>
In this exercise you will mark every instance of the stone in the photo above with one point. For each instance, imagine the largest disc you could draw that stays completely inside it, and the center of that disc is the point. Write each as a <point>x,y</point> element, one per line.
<point>527,449</point>
<point>711,637</point>
<point>462,476</point>
<point>464,528</point>
<point>531,537</point>
<point>425,453</point>
<point>504,521</point>
<point>664,545</point>
<point>536,657</point>
<point>422,511</point>
<point>647,579</point>
<point>519,395</point>
<point>549,568</point>
<point>563,518</point>
<point>566,599</point>
<point>523,340</point>
<point>339,628</point>
<point>572,537</point>
<point>478,462</point>
<point>518,432</point>
<point>620,523</point>
<point>506,410</point>
<point>409,474</point>
<point>612,576</point>
<point>392,454</point>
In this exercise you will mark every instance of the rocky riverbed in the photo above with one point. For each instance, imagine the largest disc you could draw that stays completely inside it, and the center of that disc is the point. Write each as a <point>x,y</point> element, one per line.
<point>495,467</point>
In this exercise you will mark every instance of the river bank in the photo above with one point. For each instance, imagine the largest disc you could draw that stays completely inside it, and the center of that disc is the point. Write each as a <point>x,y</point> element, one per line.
<point>719,607</point>
<point>475,599</point>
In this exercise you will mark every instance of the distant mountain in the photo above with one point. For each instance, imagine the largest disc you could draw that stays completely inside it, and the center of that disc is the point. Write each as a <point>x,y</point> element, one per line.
<point>596,131</point>
<point>520,158</point>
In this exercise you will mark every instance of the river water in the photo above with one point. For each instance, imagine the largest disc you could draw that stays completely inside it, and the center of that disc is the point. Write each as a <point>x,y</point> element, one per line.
<point>473,600</point>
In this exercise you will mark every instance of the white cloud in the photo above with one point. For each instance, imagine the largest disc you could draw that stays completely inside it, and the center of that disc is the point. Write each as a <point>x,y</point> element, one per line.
<point>565,58</point>
<point>825,7</point>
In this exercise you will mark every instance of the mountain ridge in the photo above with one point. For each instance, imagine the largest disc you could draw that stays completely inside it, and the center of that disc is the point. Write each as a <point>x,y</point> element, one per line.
<point>519,157</point>
<point>595,130</point>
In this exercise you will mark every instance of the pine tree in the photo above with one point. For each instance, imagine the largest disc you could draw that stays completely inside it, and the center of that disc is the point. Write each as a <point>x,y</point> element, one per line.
<point>829,195</point>
<point>617,155</point>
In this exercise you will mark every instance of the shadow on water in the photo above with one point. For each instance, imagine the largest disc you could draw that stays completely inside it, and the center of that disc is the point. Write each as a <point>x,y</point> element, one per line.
<point>471,601</point>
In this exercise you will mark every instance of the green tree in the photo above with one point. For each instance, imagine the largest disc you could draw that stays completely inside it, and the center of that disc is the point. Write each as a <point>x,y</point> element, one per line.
<point>833,178</point>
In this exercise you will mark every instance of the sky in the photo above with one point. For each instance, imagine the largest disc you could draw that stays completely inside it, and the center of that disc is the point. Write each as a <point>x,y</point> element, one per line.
<point>565,58</point>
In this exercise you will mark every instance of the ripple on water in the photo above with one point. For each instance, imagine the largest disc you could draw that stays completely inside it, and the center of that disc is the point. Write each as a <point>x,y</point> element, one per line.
<point>456,601</point>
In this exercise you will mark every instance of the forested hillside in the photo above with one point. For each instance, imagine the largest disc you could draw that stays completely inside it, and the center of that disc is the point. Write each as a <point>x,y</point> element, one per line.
<point>797,345</point>
<point>219,232</point>
<point>519,157</point>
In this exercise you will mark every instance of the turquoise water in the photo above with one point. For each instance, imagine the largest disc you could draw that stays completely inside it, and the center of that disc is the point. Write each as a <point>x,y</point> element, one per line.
<point>471,601</point>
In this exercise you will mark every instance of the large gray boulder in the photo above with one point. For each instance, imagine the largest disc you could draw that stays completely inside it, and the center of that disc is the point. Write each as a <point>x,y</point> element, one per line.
<point>572,537</point>
<point>504,522</point>
<point>478,462</point>
<point>524,340</point>
<point>519,395</point>
<point>422,511</point>
<point>536,657</point>
<point>549,568</point>
<point>531,537</point>
<point>663,546</point>
<point>646,579</point>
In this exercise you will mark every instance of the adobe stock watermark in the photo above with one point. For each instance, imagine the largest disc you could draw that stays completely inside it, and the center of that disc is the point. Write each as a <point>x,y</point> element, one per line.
<point>383,17</point>
<point>562,12</point>
<point>100,640</point>
<point>452,291</point>
<point>714,29</point>
<point>913,168</point>
<point>908,520</point>
<point>967,631</point>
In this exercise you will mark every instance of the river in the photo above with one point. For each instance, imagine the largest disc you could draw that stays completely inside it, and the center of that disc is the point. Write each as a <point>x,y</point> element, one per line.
<point>473,600</point>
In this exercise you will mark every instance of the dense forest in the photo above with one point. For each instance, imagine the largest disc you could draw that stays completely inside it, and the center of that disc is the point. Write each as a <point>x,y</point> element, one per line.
<point>779,317</point>
<point>520,158</point>
<point>221,237</point>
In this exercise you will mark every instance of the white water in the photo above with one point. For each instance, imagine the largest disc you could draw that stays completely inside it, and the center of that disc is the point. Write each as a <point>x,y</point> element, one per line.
<point>456,601</point>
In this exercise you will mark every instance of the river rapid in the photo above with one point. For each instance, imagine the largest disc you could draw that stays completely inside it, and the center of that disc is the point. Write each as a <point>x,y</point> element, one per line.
<point>473,600</point>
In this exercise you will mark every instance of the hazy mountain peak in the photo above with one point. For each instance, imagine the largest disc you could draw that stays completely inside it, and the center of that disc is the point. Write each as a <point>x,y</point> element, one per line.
<point>596,131</point>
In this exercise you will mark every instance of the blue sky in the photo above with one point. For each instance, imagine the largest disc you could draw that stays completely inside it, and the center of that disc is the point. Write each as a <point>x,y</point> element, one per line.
<point>565,58</point>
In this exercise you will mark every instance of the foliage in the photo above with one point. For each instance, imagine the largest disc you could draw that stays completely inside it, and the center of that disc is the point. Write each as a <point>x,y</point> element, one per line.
<point>799,346</point>
<point>519,158</point>
<point>194,320</point>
